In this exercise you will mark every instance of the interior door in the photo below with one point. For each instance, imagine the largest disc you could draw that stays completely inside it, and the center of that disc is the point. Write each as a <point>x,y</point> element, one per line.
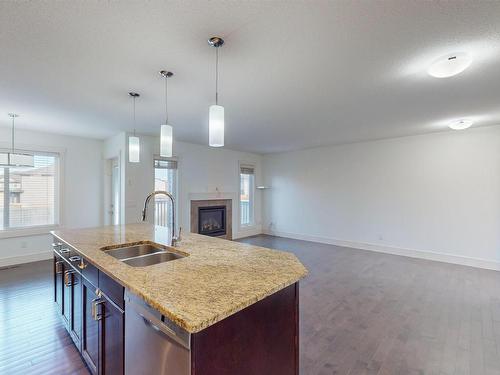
<point>115,192</point>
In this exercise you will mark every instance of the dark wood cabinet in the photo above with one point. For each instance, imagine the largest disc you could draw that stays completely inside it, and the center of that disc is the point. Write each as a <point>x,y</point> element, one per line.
<point>90,327</point>
<point>76,309</point>
<point>261,339</point>
<point>66,295</point>
<point>58,283</point>
<point>92,313</point>
<point>112,332</point>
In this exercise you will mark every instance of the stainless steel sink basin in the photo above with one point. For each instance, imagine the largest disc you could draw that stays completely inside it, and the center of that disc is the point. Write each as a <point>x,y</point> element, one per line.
<point>133,251</point>
<point>149,260</point>
<point>143,254</point>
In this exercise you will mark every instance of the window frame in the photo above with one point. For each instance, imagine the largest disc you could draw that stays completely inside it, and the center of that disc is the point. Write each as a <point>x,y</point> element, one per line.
<point>177,183</point>
<point>60,153</point>
<point>252,188</point>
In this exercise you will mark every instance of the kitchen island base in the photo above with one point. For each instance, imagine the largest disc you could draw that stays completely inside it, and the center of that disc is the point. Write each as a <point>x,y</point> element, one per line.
<point>260,339</point>
<point>220,308</point>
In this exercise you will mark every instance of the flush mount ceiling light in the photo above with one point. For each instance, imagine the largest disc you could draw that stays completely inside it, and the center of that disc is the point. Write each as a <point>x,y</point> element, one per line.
<point>134,148</point>
<point>460,124</point>
<point>13,157</point>
<point>216,111</point>
<point>166,130</point>
<point>449,65</point>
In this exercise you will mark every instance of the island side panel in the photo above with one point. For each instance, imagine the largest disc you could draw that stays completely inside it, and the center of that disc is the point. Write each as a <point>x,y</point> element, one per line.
<point>261,339</point>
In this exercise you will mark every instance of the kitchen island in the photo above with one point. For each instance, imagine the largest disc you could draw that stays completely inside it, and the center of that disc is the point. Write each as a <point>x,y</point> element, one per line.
<point>224,307</point>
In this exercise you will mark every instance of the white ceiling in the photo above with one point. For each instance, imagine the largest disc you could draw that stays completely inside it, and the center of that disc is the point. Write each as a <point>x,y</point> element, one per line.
<point>293,74</point>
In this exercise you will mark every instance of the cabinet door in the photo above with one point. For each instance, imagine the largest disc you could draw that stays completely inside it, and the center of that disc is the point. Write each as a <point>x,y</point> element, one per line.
<point>66,292</point>
<point>58,283</point>
<point>112,336</point>
<point>76,309</point>
<point>90,327</point>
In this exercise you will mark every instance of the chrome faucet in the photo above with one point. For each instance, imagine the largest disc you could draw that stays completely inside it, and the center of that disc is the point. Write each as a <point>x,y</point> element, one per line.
<point>175,239</point>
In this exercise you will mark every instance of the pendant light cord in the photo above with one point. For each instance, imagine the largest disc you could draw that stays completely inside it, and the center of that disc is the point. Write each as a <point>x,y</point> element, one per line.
<point>166,100</point>
<point>216,75</point>
<point>13,118</point>
<point>134,114</point>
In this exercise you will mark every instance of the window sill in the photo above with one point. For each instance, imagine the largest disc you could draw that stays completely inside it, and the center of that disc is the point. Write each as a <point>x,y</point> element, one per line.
<point>23,232</point>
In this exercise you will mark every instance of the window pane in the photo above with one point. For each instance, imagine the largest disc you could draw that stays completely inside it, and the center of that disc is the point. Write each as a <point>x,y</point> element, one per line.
<point>31,200</point>
<point>165,179</point>
<point>246,198</point>
<point>2,179</point>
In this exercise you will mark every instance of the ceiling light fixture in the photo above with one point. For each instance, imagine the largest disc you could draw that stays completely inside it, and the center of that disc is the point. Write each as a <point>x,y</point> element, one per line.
<point>134,147</point>
<point>216,111</point>
<point>460,124</point>
<point>449,65</point>
<point>166,130</point>
<point>13,157</point>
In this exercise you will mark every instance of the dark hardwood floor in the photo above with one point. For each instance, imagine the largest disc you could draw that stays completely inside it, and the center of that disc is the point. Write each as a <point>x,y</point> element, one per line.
<point>370,313</point>
<point>361,313</point>
<point>32,337</point>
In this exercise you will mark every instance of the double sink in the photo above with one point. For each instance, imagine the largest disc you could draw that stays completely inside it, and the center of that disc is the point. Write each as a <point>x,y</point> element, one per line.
<point>142,254</point>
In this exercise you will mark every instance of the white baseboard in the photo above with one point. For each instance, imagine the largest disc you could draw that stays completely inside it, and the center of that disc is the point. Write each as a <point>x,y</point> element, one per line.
<point>26,258</point>
<point>421,254</point>
<point>247,232</point>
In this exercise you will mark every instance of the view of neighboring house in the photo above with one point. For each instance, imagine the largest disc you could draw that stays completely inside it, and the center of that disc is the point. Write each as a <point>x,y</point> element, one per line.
<point>31,194</point>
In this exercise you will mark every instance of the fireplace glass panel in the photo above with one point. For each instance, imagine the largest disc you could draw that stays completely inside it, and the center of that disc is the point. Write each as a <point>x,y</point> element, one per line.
<point>212,220</point>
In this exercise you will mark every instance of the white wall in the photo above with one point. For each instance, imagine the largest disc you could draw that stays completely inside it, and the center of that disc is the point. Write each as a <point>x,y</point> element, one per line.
<point>435,196</point>
<point>82,187</point>
<point>205,170</point>
<point>114,148</point>
<point>202,170</point>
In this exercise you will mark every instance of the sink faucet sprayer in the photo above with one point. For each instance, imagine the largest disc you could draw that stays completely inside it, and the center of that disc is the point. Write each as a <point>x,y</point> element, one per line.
<point>175,239</point>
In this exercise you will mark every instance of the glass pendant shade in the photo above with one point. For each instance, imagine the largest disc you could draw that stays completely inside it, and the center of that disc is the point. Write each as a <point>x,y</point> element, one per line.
<point>166,140</point>
<point>216,126</point>
<point>13,159</point>
<point>134,149</point>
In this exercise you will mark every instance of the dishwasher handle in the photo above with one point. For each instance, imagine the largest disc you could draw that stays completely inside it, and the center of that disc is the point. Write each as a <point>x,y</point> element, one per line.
<point>150,323</point>
<point>161,328</point>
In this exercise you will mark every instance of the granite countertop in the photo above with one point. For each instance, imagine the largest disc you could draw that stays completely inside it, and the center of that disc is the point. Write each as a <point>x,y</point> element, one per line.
<point>216,279</point>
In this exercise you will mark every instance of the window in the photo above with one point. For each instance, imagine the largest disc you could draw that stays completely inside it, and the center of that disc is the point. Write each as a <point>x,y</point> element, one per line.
<point>15,197</point>
<point>28,195</point>
<point>165,179</point>
<point>247,188</point>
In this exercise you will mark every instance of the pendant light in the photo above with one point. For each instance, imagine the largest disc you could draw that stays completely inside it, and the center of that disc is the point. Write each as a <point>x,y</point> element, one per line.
<point>134,147</point>
<point>166,130</point>
<point>216,111</point>
<point>13,157</point>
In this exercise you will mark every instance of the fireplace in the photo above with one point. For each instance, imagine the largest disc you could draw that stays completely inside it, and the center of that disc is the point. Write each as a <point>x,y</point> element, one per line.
<point>212,217</point>
<point>212,221</point>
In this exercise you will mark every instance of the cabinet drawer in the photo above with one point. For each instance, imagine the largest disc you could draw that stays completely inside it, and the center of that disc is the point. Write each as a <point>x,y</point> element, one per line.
<point>111,289</point>
<point>90,272</point>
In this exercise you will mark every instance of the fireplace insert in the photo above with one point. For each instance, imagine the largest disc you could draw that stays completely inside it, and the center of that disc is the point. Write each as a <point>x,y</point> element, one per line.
<point>212,221</point>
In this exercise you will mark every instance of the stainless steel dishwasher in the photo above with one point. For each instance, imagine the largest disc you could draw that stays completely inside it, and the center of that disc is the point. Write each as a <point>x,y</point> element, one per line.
<point>153,344</point>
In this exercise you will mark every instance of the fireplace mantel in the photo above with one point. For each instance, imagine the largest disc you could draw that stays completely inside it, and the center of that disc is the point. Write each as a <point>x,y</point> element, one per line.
<point>213,195</point>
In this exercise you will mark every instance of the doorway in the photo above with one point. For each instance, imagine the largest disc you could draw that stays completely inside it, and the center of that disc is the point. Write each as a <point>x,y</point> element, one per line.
<point>112,196</point>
